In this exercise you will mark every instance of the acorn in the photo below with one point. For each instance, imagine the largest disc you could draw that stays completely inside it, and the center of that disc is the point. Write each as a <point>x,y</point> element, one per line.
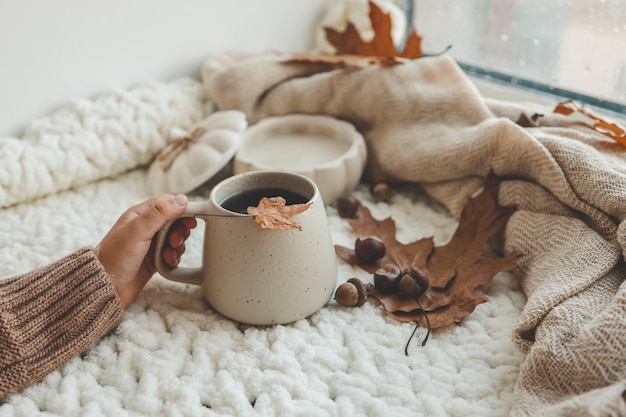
<point>412,283</point>
<point>369,249</point>
<point>352,293</point>
<point>381,191</point>
<point>386,278</point>
<point>348,207</point>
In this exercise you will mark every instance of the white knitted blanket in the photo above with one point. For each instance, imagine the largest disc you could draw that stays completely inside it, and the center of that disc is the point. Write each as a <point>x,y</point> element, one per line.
<point>68,179</point>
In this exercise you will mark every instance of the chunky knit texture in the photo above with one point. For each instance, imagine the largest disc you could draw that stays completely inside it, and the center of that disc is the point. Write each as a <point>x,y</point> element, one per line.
<point>50,315</point>
<point>93,139</point>
<point>425,122</point>
<point>173,355</point>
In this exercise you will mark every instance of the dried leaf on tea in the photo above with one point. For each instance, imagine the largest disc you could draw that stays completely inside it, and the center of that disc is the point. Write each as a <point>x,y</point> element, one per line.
<point>273,213</point>
<point>349,41</point>
<point>454,271</point>
<point>588,118</point>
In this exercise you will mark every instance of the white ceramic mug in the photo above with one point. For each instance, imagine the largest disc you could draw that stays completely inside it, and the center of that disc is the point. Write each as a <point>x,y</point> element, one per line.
<point>254,275</point>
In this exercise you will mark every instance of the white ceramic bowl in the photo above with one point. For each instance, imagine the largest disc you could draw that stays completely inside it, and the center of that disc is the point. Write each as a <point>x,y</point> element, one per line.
<point>329,151</point>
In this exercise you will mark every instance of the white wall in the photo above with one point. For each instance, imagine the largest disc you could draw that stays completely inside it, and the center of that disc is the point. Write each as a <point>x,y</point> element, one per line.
<point>55,51</point>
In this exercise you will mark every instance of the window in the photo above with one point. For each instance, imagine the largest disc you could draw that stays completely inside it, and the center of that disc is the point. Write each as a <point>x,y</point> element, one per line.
<point>574,49</point>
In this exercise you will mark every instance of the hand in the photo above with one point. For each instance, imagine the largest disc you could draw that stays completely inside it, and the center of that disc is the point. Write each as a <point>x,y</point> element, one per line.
<point>126,252</point>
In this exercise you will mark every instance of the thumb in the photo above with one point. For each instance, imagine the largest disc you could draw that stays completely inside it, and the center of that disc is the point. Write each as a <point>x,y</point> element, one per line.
<point>147,218</point>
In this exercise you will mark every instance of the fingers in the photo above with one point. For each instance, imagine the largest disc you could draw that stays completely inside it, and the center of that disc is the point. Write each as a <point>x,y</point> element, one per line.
<point>147,218</point>
<point>171,256</point>
<point>180,230</point>
<point>190,222</point>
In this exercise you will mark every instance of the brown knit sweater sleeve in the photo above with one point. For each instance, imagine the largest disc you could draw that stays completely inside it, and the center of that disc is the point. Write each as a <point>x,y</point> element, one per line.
<point>50,315</point>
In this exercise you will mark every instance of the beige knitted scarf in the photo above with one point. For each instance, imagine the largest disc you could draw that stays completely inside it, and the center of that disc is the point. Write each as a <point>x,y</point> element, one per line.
<point>425,122</point>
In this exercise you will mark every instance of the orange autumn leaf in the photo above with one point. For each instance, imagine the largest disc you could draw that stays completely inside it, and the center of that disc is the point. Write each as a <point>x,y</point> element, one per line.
<point>353,52</point>
<point>454,271</point>
<point>273,213</point>
<point>595,122</point>
<point>349,41</point>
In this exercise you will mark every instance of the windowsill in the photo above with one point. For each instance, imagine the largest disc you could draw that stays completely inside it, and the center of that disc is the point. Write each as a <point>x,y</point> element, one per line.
<point>536,99</point>
<point>507,92</point>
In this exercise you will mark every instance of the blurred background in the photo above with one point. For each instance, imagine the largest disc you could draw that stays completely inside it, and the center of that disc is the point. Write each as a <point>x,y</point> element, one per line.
<point>575,48</point>
<point>52,52</point>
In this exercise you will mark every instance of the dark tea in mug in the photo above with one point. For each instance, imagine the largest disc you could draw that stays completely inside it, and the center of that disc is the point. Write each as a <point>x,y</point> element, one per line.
<point>239,202</point>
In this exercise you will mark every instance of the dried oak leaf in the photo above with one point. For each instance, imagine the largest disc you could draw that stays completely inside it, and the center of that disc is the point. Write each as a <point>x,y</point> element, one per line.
<point>588,118</point>
<point>454,270</point>
<point>351,51</point>
<point>273,213</point>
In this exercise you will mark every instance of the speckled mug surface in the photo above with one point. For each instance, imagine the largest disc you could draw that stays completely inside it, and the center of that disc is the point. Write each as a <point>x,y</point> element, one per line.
<point>260,276</point>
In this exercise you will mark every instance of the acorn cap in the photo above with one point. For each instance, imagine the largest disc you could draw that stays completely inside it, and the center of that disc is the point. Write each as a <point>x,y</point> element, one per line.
<point>361,290</point>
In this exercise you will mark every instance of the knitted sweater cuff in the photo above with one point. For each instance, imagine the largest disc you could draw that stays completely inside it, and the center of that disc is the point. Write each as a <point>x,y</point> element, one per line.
<point>50,315</point>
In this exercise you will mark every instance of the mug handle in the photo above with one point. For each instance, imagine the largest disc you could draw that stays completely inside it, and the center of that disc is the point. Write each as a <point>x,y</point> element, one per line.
<point>178,274</point>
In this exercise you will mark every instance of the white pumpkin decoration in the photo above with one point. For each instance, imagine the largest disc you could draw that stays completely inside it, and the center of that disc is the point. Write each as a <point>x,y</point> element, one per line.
<point>193,157</point>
